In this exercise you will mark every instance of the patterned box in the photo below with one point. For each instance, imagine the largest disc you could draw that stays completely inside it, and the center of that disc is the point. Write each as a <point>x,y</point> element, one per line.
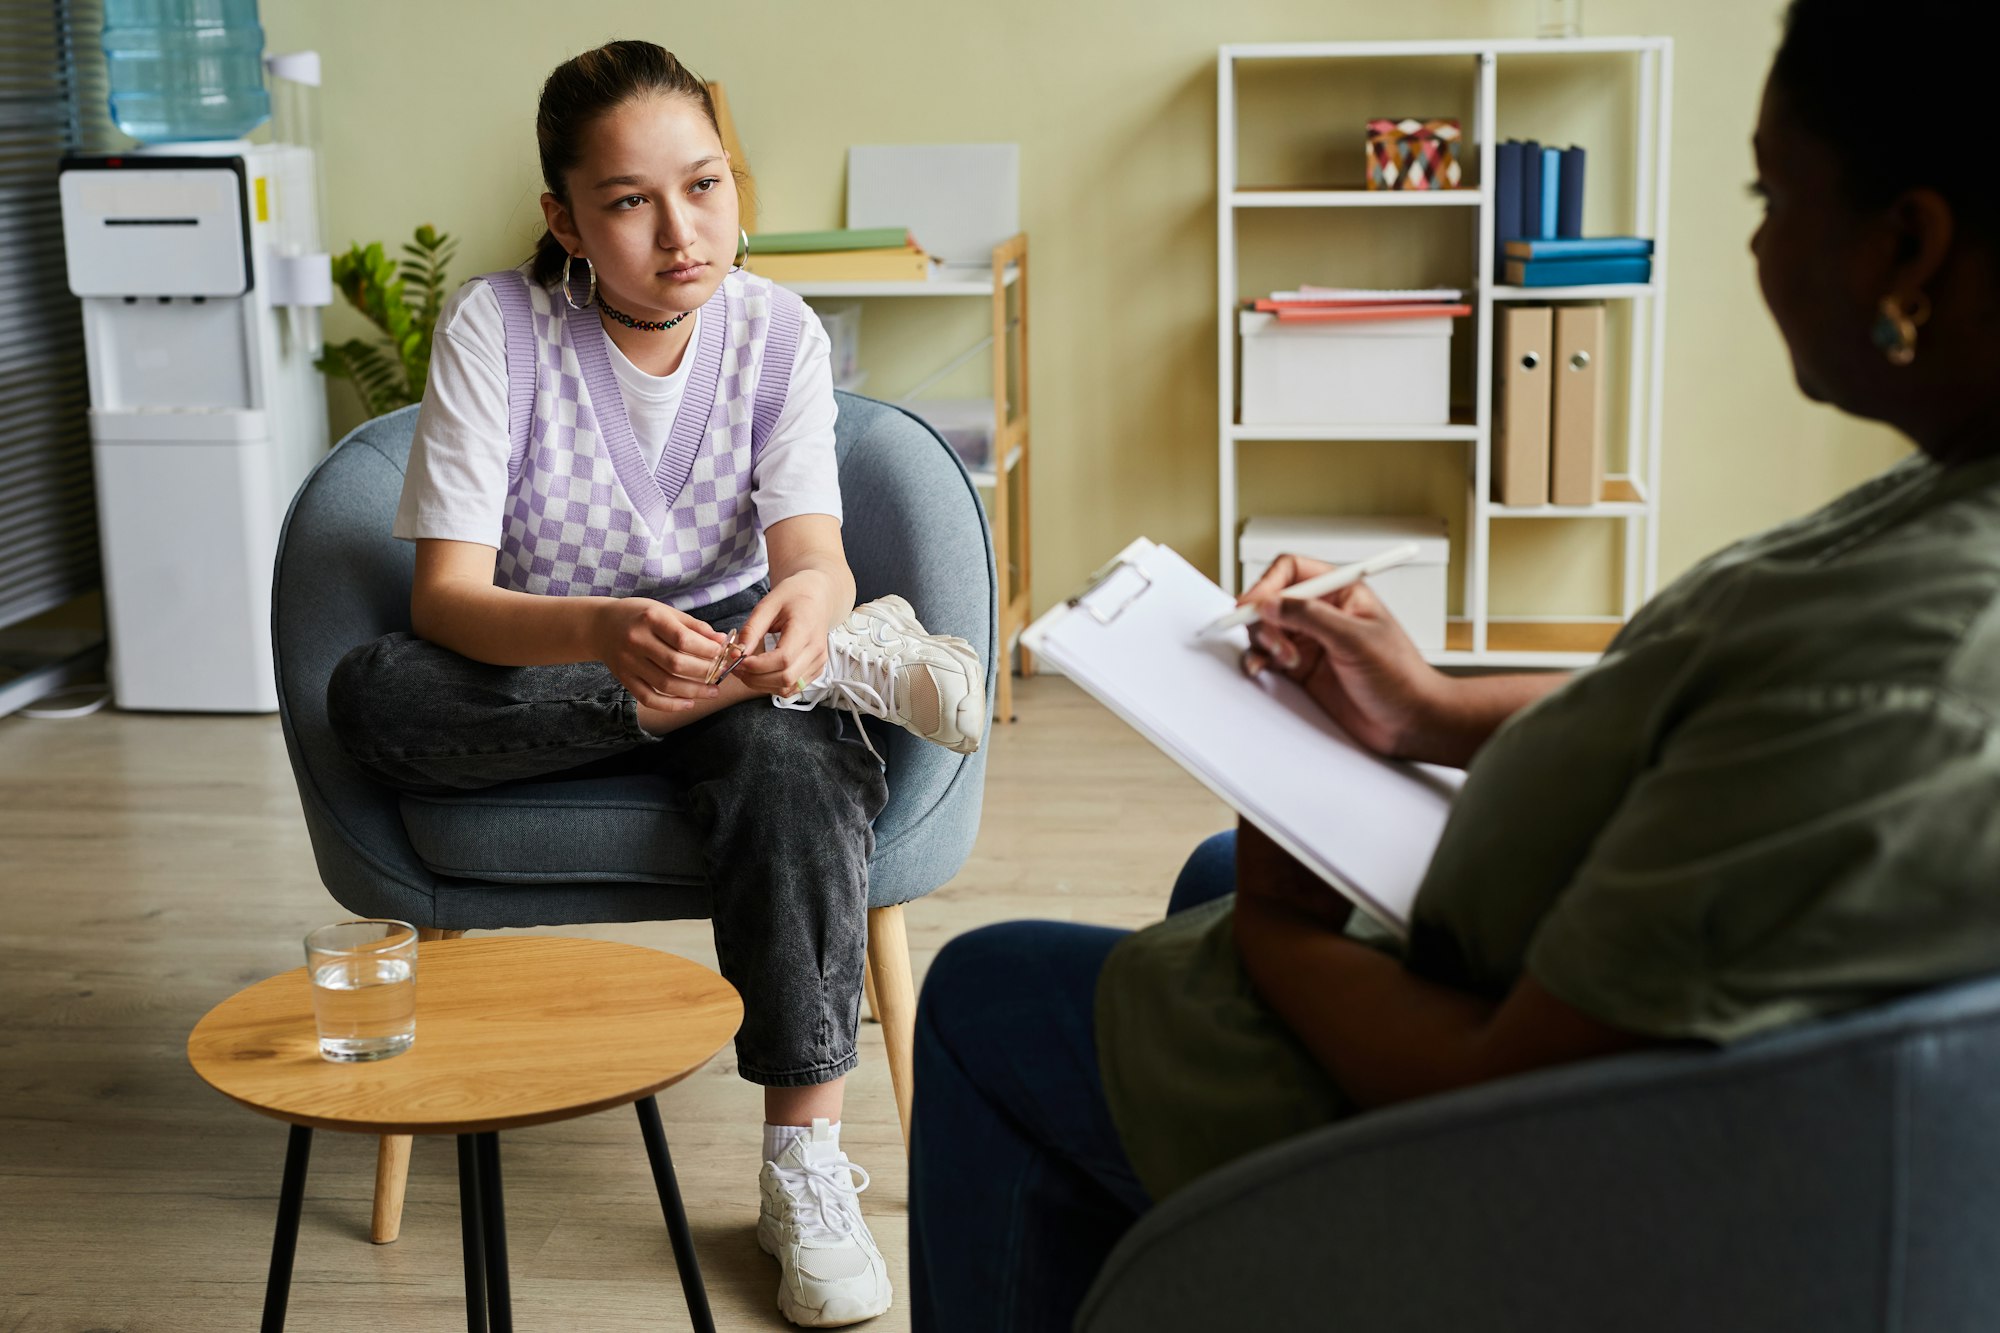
<point>1413,154</point>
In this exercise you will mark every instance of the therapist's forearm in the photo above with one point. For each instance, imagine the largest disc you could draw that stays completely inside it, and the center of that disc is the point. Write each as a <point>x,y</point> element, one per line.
<point>1382,1033</point>
<point>1474,707</point>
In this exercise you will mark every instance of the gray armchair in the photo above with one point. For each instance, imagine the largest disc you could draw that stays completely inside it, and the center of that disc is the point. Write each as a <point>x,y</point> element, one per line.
<point>1843,1177</point>
<point>556,852</point>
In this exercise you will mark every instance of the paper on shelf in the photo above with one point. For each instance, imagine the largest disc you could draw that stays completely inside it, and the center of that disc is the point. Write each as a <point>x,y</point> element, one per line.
<point>962,199</point>
<point>1387,295</point>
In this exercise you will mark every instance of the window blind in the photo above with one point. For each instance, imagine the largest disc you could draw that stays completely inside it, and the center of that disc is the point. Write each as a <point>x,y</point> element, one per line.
<point>52,99</point>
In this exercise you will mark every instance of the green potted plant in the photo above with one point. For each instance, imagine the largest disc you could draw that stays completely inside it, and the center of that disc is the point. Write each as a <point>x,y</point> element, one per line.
<point>402,300</point>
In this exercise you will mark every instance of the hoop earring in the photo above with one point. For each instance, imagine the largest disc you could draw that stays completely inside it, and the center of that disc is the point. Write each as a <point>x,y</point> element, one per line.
<point>592,296</point>
<point>742,247</point>
<point>1895,331</point>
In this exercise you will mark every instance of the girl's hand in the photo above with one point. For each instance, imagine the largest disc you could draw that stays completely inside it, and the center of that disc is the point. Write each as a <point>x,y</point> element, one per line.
<point>799,611</point>
<point>1355,661</point>
<point>661,655</point>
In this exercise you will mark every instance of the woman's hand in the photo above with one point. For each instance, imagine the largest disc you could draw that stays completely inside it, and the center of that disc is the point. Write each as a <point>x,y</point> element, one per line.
<point>661,655</point>
<point>1355,661</point>
<point>800,611</point>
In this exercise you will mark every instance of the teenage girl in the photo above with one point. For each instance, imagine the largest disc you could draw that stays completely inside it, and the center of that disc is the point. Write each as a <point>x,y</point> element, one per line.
<point>625,451</point>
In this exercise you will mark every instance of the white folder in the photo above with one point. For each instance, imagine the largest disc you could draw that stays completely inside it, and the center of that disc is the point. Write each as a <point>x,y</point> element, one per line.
<point>1130,639</point>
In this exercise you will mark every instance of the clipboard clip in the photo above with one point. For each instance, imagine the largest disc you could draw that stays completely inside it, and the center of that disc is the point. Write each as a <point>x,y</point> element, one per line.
<point>1098,581</point>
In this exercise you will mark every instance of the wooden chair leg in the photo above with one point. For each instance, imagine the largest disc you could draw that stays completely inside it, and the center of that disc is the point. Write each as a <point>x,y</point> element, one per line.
<point>868,992</point>
<point>896,996</point>
<point>392,1155</point>
<point>392,1173</point>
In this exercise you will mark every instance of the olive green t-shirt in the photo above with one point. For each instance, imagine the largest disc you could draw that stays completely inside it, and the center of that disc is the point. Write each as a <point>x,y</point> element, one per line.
<point>1776,797</point>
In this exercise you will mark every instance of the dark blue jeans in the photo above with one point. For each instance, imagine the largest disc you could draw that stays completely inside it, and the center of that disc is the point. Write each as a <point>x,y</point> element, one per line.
<point>1019,1187</point>
<point>785,801</point>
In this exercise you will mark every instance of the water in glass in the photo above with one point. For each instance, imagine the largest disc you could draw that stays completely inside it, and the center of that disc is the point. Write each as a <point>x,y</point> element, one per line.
<point>364,988</point>
<point>366,1007</point>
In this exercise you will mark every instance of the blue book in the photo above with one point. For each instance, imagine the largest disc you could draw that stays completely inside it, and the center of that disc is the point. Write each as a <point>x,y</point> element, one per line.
<point>1569,200</point>
<point>1594,247</point>
<point>1577,272</point>
<point>1507,194</point>
<point>1531,189</point>
<point>1551,192</point>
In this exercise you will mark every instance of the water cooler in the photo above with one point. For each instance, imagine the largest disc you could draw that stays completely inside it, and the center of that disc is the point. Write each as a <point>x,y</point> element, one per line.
<point>201,271</point>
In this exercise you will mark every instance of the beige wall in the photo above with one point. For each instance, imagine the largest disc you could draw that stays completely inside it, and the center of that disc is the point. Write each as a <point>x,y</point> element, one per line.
<point>429,118</point>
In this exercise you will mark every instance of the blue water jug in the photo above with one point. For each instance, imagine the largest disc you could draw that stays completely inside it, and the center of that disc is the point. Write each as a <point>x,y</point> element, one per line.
<point>185,69</point>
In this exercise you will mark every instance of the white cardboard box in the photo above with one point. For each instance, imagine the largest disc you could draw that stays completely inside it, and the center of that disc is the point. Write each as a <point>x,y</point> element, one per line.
<point>966,424</point>
<point>1414,593</point>
<point>1392,372</point>
<point>842,322</point>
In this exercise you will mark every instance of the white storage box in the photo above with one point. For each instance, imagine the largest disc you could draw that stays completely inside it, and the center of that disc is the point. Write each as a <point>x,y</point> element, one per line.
<point>965,423</point>
<point>1392,372</point>
<point>1414,593</point>
<point>842,323</point>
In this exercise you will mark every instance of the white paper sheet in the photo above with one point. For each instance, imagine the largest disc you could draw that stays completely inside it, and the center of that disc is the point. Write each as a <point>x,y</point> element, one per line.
<point>958,199</point>
<point>1366,825</point>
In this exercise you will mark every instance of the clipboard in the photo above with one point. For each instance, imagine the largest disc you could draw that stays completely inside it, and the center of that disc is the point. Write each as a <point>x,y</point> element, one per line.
<point>1364,824</point>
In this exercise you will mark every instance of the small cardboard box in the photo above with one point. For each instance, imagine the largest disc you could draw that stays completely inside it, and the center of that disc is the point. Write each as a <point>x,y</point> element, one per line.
<point>1414,593</point>
<point>1394,372</point>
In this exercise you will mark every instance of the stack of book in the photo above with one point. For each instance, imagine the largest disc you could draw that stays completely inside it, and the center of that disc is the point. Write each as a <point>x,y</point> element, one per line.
<point>1347,305</point>
<point>1584,262</point>
<point>1538,224</point>
<point>872,254</point>
<point>1538,193</point>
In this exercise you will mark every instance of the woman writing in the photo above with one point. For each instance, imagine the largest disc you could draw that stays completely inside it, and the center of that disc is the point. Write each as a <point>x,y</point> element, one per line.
<point>1771,801</point>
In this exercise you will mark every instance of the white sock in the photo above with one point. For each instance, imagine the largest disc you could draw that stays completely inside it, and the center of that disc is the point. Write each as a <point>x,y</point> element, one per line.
<point>777,1138</point>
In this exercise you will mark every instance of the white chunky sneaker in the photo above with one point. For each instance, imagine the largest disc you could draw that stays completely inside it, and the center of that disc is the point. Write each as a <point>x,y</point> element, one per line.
<point>882,662</point>
<point>831,1274</point>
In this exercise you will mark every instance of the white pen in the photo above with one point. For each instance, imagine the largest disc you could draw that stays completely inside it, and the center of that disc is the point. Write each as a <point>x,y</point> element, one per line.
<point>1331,581</point>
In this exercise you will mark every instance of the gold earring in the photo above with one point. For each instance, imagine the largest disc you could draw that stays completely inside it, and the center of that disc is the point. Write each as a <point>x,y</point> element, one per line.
<point>742,247</point>
<point>569,300</point>
<point>1895,332</point>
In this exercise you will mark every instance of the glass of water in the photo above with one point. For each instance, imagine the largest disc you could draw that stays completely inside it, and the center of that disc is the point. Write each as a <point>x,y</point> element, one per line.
<point>1559,18</point>
<point>364,988</point>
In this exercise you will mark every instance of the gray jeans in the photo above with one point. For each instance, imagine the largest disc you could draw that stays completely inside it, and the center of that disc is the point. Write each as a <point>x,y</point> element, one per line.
<point>785,801</point>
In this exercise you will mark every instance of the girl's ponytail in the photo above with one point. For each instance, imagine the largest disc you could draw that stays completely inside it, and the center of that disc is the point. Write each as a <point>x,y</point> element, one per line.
<point>549,256</point>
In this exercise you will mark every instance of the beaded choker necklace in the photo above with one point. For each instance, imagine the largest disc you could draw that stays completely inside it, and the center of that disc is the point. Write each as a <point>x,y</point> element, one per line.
<point>643,325</point>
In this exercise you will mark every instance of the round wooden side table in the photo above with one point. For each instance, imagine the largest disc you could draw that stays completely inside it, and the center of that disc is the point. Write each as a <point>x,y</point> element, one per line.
<point>512,1031</point>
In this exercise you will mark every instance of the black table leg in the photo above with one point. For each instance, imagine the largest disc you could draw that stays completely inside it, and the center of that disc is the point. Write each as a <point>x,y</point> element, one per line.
<point>291,1198</point>
<point>475,1234</point>
<point>677,1223</point>
<point>493,1218</point>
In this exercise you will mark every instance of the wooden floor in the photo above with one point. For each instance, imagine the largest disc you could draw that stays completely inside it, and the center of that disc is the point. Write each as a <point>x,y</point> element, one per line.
<point>151,865</point>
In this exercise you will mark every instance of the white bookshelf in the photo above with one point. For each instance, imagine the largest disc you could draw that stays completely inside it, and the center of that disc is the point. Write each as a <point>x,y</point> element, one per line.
<point>1477,638</point>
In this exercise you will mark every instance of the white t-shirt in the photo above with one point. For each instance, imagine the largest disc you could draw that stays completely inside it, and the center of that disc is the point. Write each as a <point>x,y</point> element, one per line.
<point>455,487</point>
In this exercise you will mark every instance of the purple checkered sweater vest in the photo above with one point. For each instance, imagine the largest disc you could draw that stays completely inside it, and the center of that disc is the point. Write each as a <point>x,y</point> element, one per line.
<point>584,517</point>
